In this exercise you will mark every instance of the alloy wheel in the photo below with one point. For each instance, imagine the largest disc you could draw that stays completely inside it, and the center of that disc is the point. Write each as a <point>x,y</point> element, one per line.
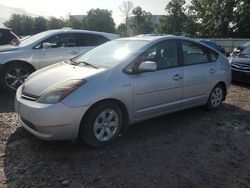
<point>216,97</point>
<point>106,125</point>
<point>15,77</point>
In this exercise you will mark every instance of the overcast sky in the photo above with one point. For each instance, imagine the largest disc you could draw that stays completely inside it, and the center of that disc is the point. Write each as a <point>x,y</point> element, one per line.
<point>60,8</point>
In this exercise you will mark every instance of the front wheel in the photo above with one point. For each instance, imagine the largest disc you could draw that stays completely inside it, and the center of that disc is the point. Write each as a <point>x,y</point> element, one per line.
<point>14,75</point>
<point>216,97</point>
<point>102,124</point>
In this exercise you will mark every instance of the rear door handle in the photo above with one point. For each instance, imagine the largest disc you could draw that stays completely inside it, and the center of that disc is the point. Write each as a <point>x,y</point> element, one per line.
<point>212,71</point>
<point>177,77</point>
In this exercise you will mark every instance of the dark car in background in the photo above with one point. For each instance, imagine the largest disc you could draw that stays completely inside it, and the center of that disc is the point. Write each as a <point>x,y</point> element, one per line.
<point>239,49</point>
<point>240,65</point>
<point>8,37</point>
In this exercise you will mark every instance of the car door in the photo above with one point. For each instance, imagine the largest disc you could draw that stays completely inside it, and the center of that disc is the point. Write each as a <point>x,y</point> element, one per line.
<point>88,41</point>
<point>199,72</point>
<point>62,47</point>
<point>159,91</point>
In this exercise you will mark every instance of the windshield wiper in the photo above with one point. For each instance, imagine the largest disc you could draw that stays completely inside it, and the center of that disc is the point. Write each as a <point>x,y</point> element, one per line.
<point>85,63</point>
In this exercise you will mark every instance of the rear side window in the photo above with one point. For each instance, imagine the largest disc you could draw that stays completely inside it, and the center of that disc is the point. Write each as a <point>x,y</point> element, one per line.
<point>194,53</point>
<point>85,39</point>
<point>213,55</point>
<point>197,54</point>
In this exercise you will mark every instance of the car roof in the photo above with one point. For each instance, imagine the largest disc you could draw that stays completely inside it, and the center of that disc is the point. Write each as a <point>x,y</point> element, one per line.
<point>207,41</point>
<point>5,28</point>
<point>109,35</point>
<point>152,38</point>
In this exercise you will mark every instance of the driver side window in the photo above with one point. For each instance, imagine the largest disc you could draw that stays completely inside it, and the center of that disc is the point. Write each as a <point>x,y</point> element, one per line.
<point>55,41</point>
<point>60,41</point>
<point>164,54</point>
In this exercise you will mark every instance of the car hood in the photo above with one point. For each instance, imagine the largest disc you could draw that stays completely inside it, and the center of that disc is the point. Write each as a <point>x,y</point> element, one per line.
<point>4,48</point>
<point>38,82</point>
<point>241,59</point>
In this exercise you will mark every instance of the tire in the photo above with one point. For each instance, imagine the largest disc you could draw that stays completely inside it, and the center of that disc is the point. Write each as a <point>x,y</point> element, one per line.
<point>13,75</point>
<point>216,97</point>
<point>102,124</point>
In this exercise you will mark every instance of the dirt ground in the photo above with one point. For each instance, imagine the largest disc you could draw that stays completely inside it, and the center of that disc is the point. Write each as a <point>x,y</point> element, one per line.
<point>192,148</point>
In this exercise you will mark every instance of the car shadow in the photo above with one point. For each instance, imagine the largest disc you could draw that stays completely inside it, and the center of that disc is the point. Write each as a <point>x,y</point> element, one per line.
<point>6,101</point>
<point>184,146</point>
<point>241,84</point>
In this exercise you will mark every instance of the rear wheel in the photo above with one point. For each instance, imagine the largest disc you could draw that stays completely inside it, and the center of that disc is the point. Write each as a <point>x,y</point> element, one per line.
<point>14,75</point>
<point>102,124</point>
<point>216,97</point>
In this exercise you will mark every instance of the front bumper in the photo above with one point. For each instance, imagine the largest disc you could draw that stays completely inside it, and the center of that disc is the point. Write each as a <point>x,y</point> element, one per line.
<point>240,75</point>
<point>49,121</point>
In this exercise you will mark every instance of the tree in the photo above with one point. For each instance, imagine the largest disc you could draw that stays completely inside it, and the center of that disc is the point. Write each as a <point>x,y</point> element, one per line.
<point>99,20</point>
<point>40,24</point>
<point>27,25</point>
<point>55,23</point>
<point>177,20</point>
<point>121,30</point>
<point>73,23</point>
<point>173,22</point>
<point>241,22</point>
<point>126,9</point>
<point>215,17</point>
<point>15,23</point>
<point>20,24</point>
<point>141,21</point>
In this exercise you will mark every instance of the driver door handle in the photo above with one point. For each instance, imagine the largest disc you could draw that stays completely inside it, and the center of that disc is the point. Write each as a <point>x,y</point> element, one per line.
<point>177,77</point>
<point>212,71</point>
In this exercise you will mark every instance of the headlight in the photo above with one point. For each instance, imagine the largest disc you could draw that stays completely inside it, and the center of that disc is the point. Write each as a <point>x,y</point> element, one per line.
<point>60,91</point>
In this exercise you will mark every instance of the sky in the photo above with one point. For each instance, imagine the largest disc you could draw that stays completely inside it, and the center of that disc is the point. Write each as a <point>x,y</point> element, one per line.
<point>60,8</point>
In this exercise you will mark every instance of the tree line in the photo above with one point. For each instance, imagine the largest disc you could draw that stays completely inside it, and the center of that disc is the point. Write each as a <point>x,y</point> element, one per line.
<point>96,19</point>
<point>206,18</point>
<point>200,18</point>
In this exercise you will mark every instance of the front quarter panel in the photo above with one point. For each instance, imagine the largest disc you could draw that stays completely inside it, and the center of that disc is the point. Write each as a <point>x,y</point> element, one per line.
<point>22,54</point>
<point>109,84</point>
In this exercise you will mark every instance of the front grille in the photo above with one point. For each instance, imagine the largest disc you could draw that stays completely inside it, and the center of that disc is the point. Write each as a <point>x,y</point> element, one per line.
<point>241,66</point>
<point>29,97</point>
<point>29,124</point>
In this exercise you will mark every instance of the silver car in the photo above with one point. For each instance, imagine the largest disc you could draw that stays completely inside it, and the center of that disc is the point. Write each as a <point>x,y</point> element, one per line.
<point>96,95</point>
<point>43,49</point>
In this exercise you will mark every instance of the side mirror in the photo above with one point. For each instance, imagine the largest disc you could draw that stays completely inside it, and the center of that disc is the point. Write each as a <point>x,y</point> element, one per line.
<point>46,45</point>
<point>147,66</point>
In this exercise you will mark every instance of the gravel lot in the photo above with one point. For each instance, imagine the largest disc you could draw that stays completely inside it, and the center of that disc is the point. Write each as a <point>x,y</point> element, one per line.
<point>192,148</point>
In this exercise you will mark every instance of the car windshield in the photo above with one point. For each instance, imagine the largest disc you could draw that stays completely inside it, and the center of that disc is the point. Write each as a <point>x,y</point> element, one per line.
<point>111,53</point>
<point>33,39</point>
<point>246,52</point>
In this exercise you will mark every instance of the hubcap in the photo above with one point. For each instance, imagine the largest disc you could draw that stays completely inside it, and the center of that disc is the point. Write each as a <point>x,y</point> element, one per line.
<point>106,125</point>
<point>15,77</point>
<point>216,97</point>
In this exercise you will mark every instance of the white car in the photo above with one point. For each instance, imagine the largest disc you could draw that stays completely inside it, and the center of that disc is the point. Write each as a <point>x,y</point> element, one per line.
<point>44,49</point>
